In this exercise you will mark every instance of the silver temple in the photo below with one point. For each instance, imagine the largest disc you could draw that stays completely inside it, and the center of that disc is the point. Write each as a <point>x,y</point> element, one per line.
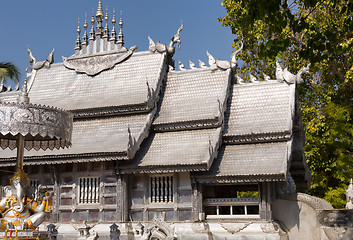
<point>164,154</point>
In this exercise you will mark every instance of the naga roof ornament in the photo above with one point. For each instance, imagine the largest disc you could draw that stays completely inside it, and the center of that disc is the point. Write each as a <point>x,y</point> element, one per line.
<point>181,66</point>
<point>34,65</point>
<point>221,64</point>
<point>283,75</point>
<point>162,48</point>
<point>192,65</point>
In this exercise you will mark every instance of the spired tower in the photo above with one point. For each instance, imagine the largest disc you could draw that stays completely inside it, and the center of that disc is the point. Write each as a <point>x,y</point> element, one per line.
<point>160,153</point>
<point>100,39</point>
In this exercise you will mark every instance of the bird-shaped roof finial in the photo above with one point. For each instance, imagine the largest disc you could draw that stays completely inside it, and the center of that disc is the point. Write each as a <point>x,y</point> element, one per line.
<point>202,64</point>
<point>192,65</point>
<point>181,66</point>
<point>211,59</point>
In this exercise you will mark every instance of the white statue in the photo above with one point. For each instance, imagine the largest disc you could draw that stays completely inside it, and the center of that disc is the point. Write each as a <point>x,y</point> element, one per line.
<point>349,196</point>
<point>19,209</point>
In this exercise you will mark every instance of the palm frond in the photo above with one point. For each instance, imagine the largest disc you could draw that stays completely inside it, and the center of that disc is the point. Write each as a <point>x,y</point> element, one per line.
<point>9,70</point>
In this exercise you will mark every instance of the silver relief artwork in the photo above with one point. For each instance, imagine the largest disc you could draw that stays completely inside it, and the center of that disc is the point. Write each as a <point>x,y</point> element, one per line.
<point>51,125</point>
<point>93,65</point>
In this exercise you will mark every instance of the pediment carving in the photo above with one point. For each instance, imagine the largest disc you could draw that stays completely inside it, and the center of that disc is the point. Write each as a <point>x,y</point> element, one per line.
<point>94,64</point>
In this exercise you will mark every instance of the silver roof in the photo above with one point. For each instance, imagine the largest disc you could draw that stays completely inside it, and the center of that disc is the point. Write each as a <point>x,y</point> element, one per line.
<point>260,109</point>
<point>113,138</point>
<point>126,84</point>
<point>10,96</point>
<point>192,99</point>
<point>251,162</point>
<point>195,149</point>
<point>198,114</point>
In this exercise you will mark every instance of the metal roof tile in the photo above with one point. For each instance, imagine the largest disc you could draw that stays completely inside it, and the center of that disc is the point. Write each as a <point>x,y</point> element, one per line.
<point>260,109</point>
<point>193,96</point>
<point>124,84</point>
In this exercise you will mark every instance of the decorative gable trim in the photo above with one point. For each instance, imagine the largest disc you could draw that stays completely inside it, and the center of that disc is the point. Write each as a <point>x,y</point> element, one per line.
<point>257,138</point>
<point>94,64</point>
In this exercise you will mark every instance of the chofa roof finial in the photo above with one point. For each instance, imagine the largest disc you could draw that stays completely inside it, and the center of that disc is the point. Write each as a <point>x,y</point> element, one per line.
<point>121,35</point>
<point>78,40</point>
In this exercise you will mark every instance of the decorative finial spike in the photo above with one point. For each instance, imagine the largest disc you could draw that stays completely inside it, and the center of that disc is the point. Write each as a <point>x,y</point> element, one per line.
<point>85,25</point>
<point>113,34</point>
<point>85,37</point>
<point>78,40</point>
<point>99,13</point>
<point>192,65</point>
<point>24,86</point>
<point>78,26</point>
<point>121,35</point>
<point>253,79</point>
<point>99,18</point>
<point>114,19</point>
<point>106,18</point>
<point>93,19</point>
<point>121,20</point>
<point>202,64</point>
<point>92,34</point>
<point>106,29</point>
<point>181,66</point>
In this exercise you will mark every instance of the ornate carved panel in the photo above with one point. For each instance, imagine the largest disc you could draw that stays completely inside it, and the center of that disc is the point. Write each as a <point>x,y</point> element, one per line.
<point>94,64</point>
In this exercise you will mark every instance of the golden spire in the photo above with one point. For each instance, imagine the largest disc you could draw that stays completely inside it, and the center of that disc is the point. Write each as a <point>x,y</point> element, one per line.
<point>100,13</point>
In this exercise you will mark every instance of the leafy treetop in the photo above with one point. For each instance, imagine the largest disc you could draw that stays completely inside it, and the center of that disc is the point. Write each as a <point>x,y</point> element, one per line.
<point>299,32</point>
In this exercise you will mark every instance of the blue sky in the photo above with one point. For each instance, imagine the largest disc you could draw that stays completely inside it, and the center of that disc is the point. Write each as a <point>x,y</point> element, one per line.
<point>47,24</point>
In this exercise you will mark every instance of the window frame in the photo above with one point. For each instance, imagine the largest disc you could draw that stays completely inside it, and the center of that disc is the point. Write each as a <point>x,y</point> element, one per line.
<point>171,189</point>
<point>232,202</point>
<point>96,195</point>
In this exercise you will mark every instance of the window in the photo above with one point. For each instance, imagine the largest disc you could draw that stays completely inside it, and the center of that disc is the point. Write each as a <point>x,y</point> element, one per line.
<point>88,190</point>
<point>224,201</point>
<point>161,189</point>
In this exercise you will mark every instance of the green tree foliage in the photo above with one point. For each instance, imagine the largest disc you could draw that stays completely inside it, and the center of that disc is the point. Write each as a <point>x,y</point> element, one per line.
<point>8,71</point>
<point>297,33</point>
